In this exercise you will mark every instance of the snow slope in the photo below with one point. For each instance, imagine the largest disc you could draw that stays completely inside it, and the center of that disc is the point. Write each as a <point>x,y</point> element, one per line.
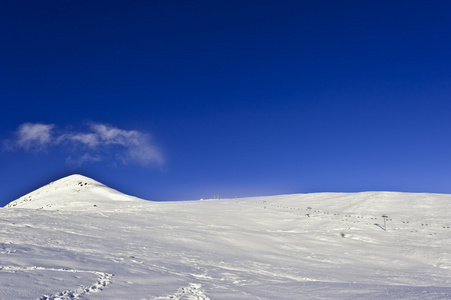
<point>86,241</point>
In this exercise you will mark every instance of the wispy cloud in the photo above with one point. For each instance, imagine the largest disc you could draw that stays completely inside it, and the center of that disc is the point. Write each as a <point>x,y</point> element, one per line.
<point>31,137</point>
<point>100,142</point>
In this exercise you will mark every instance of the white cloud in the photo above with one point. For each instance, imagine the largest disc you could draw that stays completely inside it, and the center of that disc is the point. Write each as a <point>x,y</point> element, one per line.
<point>136,146</point>
<point>88,139</point>
<point>100,142</point>
<point>110,135</point>
<point>145,153</point>
<point>85,158</point>
<point>34,136</point>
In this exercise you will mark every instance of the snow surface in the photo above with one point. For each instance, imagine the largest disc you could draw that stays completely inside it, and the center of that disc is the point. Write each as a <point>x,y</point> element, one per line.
<point>78,239</point>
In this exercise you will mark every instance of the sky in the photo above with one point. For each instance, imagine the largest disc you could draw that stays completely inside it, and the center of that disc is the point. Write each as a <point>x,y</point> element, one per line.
<point>183,100</point>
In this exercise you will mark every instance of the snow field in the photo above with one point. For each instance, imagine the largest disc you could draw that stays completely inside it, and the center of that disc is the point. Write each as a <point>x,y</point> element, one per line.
<point>307,246</point>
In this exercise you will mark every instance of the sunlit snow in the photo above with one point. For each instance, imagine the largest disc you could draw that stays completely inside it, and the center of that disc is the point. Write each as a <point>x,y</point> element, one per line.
<point>78,239</point>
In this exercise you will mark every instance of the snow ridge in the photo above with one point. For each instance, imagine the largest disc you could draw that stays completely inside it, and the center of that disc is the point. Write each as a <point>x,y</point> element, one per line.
<point>192,291</point>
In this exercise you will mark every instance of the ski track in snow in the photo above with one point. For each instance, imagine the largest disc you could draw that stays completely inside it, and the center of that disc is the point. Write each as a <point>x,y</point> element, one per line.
<point>4,250</point>
<point>103,280</point>
<point>192,292</point>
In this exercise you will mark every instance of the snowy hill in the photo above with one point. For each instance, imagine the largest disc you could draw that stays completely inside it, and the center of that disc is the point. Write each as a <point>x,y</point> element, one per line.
<point>75,192</point>
<point>56,244</point>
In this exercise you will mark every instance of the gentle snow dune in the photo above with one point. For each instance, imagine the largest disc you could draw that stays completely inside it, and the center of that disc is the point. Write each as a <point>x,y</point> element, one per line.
<point>78,239</point>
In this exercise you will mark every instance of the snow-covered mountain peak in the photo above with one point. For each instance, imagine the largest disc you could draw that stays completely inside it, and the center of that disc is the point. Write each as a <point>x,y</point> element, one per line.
<point>75,179</point>
<point>74,192</point>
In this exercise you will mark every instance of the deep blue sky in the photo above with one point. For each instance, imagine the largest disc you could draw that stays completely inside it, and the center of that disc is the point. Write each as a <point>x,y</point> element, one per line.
<point>237,98</point>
